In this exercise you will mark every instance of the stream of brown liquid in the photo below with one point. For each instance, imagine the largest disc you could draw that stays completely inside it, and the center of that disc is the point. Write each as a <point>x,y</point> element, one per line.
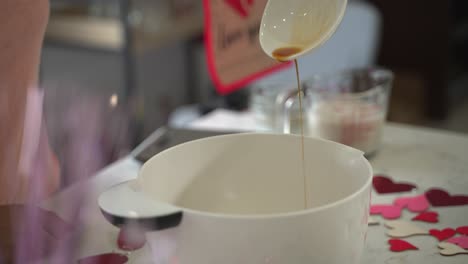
<point>283,54</point>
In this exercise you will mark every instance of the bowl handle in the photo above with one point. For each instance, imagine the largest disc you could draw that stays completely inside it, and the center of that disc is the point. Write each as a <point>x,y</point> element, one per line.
<point>124,205</point>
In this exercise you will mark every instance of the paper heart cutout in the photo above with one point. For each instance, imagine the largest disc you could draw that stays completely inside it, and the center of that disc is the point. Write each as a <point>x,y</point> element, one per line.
<point>429,217</point>
<point>449,249</point>
<point>415,204</point>
<point>461,241</point>
<point>109,258</point>
<point>383,184</point>
<point>398,245</point>
<point>387,211</point>
<point>439,197</point>
<point>399,229</point>
<point>463,230</point>
<point>442,235</point>
<point>131,239</point>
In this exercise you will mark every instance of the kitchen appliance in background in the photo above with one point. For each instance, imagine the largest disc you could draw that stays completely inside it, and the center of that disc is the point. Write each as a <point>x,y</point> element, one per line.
<point>83,53</point>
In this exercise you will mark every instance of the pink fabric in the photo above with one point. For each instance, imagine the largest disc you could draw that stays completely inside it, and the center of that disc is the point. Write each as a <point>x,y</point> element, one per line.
<point>38,173</point>
<point>31,132</point>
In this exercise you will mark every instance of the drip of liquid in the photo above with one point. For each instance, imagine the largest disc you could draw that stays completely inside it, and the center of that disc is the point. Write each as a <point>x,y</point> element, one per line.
<point>283,54</point>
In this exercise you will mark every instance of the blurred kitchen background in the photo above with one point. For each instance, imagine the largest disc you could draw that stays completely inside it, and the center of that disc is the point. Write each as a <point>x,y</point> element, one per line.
<point>139,64</point>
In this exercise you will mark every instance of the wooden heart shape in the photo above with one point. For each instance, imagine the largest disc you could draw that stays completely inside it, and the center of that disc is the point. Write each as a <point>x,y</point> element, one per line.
<point>429,217</point>
<point>372,221</point>
<point>442,235</point>
<point>439,197</point>
<point>109,258</point>
<point>449,249</point>
<point>399,229</point>
<point>415,204</point>
<point>386,210</point>
<point>398,245</point>
<point>383,184</point>
<point>461,241</point>
<point>463,230</point>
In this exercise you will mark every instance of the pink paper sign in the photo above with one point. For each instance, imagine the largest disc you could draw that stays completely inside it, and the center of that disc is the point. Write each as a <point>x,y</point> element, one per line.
<point>233,50</point>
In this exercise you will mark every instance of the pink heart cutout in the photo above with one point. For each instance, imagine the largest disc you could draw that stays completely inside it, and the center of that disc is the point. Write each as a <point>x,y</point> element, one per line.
<point>415,204</point>
<point>387,211</point>
<point>461,241</point>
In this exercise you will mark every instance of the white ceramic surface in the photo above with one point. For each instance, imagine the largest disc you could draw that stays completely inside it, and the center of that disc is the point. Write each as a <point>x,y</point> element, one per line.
<point>304,24</point>
<point>412,154</point>
<point>242,200</point>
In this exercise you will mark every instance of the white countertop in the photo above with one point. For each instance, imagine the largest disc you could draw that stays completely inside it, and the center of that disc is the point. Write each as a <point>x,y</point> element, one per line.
<point>426,157</point>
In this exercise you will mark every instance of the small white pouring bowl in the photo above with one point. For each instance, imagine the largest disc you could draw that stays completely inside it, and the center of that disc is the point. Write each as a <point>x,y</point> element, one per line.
<point>293,23</point>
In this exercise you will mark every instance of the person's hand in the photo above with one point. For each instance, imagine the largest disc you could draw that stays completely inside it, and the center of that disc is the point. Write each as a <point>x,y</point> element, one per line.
<point>29,233</point>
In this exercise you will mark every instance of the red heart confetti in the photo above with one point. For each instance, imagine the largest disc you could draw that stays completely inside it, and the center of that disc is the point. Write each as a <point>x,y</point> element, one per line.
<point>398,245</point>
<point>383,184</point>
<point>386,210</point>
<point>461,241</point>
<point>442,235</point>
<point>130,239</point>
<point>110,258</point>
<point>439,197</point>
<point>463,230</point>
<point>429,217</point>
<point>415,204</point>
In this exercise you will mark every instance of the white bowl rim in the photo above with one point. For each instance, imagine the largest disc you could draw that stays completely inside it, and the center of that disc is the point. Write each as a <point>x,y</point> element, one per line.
<point>295,213</point>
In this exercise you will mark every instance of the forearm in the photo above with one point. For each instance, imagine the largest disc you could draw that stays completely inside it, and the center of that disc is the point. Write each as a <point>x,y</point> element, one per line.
<point>22,27</point>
